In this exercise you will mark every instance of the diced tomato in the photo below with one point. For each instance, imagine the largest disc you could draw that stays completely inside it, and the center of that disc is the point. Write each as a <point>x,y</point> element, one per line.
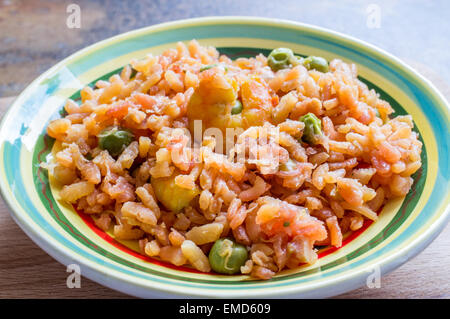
<point>145,100</point>
<point>118,111</point>
<point>275,100</point>
<point>287,221</point>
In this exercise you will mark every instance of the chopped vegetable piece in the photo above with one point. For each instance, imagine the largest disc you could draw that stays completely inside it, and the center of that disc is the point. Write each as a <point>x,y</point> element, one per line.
<point>317,63</point>
<point>237,108</point>
<point>207,67</point>
<point>114,140</point>
<point>313,128</point>
<point>172,196</point>
<point>133,73</point>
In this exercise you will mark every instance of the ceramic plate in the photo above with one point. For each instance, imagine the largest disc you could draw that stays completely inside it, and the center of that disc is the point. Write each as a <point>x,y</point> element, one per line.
<point>405,227</point>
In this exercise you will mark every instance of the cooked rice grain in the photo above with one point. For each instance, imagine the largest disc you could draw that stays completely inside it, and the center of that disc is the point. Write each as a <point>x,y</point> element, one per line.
<point>364,157</point>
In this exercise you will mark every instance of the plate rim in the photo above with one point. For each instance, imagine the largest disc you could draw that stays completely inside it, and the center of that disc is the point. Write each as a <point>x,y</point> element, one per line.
<point>122,283</point>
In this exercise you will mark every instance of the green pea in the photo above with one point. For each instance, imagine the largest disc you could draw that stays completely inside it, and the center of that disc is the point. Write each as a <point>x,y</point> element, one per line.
<point>296,60</point>
<point>207,67</point>
<point>317,63</point>
<point>227,257</point>
<point>313,128</point>
<point>280,58</point>
<point>237,108</point>
<point>114,140</point>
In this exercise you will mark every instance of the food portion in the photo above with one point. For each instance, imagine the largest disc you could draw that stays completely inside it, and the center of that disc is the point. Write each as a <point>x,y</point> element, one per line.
<point>239,166</point>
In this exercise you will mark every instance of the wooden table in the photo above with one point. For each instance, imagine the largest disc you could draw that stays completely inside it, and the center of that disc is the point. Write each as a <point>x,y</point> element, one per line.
<point>34,35</point>
<point>26,271</point>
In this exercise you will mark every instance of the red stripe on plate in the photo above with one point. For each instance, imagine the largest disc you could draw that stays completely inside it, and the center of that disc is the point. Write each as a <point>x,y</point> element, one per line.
<point>88,220</point>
